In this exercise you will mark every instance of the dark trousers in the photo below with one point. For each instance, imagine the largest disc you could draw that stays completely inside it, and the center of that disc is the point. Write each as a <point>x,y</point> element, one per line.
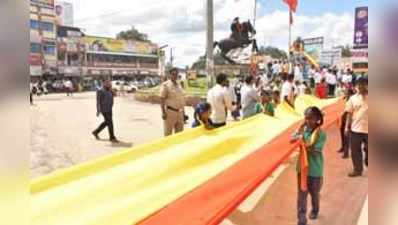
<point>218,125</point>
<point>359,143</point>
<point>332,89</point>
<point>314,189</point>
<point>345,141</point>
<point>108,122</point>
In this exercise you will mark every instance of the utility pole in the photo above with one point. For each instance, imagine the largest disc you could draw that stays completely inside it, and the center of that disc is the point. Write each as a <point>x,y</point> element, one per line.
<point>210,43</point>
<point>171,57</point>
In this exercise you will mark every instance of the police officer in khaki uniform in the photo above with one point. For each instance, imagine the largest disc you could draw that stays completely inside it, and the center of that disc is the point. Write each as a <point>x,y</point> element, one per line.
<point>172,104</point>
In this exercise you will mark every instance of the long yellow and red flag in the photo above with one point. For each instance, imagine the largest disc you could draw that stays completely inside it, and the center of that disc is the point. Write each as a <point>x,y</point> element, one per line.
<point>194,178</point>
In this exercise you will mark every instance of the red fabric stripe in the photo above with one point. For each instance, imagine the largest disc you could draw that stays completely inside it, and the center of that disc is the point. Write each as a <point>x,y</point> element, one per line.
<point>212,202</point>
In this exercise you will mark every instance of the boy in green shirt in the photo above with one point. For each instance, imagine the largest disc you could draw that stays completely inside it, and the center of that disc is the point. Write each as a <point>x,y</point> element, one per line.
<point>266,106</point>
<point>314,139</point>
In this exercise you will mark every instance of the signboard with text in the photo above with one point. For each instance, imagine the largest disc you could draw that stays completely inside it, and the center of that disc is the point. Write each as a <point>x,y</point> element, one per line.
<point>331,57</point>
<point>313,47</point>
<point>361,35</point>
<point>43,3</point>
<point>114,45</point>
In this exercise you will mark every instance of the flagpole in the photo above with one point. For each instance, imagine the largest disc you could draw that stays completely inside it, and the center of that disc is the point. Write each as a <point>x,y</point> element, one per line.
<point>290,34</point>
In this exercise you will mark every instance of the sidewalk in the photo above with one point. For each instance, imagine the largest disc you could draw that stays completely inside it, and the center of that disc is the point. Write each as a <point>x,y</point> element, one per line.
<point>342,200</point>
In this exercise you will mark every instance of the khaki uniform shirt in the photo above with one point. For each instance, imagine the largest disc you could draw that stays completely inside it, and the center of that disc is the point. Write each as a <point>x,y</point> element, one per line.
<point>173,95</point>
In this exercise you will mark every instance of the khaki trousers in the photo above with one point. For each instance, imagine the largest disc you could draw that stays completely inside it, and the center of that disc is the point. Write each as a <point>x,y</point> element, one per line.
<point>174,122</point>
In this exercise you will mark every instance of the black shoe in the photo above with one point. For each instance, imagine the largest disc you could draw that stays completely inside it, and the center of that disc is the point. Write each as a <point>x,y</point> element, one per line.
<point>114,140</point>
<point>96,136</point>
<point>345,156</point>
<point>313,216</point>
<point>355,174</point>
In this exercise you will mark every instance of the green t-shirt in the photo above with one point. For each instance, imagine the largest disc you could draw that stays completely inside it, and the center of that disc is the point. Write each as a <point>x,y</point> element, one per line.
<point>270,108</point>
<point>315,156</point>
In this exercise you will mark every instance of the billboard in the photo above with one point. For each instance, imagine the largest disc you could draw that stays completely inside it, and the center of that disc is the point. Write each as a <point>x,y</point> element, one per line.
<point>331,57</point>
<point>114,45</point>
<point>360,56</point>
<point>313,47</point>
<point>361,27</point>
<point>64,13</point>
<point>43,3</point>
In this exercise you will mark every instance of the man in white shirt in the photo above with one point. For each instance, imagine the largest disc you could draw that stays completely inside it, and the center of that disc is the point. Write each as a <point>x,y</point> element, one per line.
<point>276,68</point>
<point>287,94</point>
<point>331,80</point>
<point>220,101</point>
<point>347,78</point>
<point>318,77</point>
<point>250,98</point>
<point>298,74</point>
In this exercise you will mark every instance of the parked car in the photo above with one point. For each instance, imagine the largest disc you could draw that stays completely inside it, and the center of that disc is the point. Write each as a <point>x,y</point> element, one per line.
<point>124,85</point>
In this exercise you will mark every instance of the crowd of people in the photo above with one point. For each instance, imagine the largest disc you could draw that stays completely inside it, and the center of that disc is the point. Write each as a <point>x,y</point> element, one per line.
<point>246,97</point>
<point>252,95</point>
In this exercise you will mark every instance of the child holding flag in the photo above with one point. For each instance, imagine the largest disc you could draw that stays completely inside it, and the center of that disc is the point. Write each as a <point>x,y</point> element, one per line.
<point>310,165</point>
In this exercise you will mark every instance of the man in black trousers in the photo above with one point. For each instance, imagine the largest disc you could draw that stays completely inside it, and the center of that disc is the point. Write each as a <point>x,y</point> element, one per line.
<point>104,106</point>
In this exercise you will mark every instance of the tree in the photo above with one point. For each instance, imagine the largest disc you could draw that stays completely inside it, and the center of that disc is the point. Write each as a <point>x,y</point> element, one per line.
<point>346,51</point>
<point>274,52</point>
<point>200,64</point>
<point>132,35</point>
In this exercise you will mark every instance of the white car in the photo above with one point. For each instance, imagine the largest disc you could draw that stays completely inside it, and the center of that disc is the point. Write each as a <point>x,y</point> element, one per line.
<point>124,86</point>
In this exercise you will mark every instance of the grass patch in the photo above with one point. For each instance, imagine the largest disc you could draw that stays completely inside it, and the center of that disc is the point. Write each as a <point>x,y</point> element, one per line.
<point>197,88</point>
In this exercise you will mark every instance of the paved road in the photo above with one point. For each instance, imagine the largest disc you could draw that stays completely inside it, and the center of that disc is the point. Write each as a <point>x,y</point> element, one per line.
<point>61,129</point>
<point>342,201</point>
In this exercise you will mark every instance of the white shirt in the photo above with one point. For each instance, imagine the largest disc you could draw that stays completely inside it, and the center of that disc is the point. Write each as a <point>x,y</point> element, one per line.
<point>331,79</point>
<point>231,91</point>
<point>287,88</point>
<point>220,100</point>
<point>249,96</point>
<point>276,68</point>
<point>298,75</point>
<point>347,78</point>
<point>318,77</point>
<point>301,89</point>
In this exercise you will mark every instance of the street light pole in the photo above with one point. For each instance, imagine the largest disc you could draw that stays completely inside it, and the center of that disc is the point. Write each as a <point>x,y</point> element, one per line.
<point>210,42</point>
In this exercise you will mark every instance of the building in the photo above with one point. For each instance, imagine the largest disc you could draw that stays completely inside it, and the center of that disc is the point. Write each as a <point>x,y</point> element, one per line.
<point>43,51</point>
<point>71,51</point>
<point>64,13</point>
<point>120,58</point>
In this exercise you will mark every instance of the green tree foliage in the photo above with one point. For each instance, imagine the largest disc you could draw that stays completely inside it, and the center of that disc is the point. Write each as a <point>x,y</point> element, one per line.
<point>200,63</point>
<point>346,51</point>
<point>132,35</point>
<point>274,52</point>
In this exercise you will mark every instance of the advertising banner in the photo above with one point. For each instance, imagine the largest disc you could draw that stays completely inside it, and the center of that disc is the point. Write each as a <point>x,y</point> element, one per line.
<point>35,59</point>
<point>43,3</point>
<point>360,55</point>
<point>361,28</point>
<point>313,47</point>
<point>331,57</point>
<point>114,45</point>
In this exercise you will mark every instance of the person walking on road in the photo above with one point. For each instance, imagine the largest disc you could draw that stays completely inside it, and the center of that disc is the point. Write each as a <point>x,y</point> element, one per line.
<point>314,139</point>
<point>220,101</point>
<point>357,126</point>
<point>105,98</point>
<point>172,104</point>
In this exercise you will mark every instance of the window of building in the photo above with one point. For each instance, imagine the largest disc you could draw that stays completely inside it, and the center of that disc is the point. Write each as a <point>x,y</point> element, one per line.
<point>49,48</point>
<point>47,26</point>
<point>34,24</point>
<point>35,47</point>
